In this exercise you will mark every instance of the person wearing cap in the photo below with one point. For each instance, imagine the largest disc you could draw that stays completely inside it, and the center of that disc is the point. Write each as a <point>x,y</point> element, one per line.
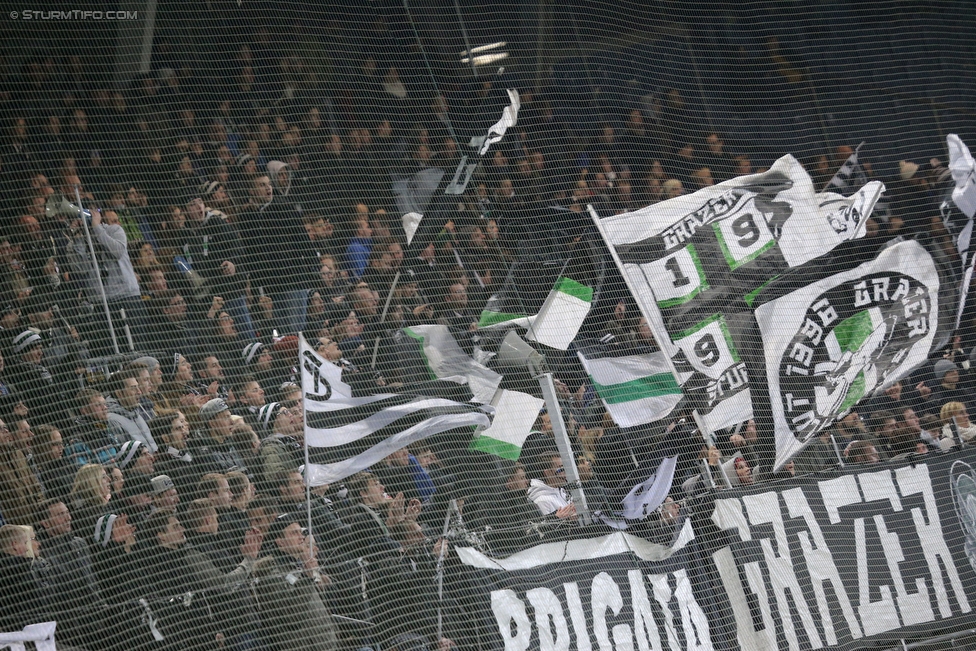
<point>34,382</point>
<point>135,458</point>
<point>215,251</point>
<point>216,451</point>
<point>164,493</point>
<point>290,590</point>
<point>948,389</point>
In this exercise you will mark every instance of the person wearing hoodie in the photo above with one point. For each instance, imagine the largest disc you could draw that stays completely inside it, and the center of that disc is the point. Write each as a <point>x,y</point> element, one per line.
<point>124,418</point>
<point>119,279</point>
<point>270,230</point>
<point>215,251</point>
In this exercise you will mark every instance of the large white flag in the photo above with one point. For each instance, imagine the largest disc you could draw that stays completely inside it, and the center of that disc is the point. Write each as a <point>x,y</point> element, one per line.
<point>694,261</point>
<point>837,340</point>
<point>345,434</point>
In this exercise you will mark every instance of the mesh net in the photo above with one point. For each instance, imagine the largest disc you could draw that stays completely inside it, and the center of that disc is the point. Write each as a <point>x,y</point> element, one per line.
<point>505,325</point>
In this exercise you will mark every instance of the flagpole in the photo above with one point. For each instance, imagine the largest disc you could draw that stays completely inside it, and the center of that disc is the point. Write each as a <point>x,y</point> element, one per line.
<point>386,308</point>
<point>451,508</point>
<point>564,446</point>
<point>308,482</point>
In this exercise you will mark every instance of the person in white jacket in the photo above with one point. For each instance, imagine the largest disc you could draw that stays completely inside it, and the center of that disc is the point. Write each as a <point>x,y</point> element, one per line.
<point>546,489</point>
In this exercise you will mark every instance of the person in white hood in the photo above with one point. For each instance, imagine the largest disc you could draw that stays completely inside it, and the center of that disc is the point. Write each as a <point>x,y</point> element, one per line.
<point>546,489</point>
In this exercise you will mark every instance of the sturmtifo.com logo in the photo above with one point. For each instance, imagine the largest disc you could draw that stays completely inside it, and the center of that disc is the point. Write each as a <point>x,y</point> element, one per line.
<point>73,14</point>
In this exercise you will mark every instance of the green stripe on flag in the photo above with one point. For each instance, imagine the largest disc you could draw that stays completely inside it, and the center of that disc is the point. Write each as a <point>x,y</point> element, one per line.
<point>496,447</point>
<point>573,288</point>
<point>652,386</point>
<point>854,331</point>
<point>754,294</point>
<point>491,318</point>
<point>420,341</point>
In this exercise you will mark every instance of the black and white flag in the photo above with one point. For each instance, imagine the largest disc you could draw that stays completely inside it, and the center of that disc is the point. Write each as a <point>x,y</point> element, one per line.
<point>833,342</point>
<point>852,175</point>
<point>345,434</point>
<point>694,262</point>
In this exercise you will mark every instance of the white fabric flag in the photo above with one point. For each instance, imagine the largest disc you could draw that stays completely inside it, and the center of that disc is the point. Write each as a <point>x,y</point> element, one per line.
<point>509,117</point>
<point>834,341</point>
<point>559,318</point>
<point>635,389</point>
<point>347,434</point>
<point>963,169</point>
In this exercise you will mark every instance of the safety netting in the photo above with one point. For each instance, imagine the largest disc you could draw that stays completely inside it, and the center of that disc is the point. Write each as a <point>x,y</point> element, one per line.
<point>400,325</point>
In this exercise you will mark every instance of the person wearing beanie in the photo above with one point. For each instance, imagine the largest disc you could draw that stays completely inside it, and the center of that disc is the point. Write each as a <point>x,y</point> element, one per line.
<point>111,541</point>
<point>282,430</point>
<point>217,451</point>
<point>135,458</point>
<point>215,251</point>
<point>34,382</point>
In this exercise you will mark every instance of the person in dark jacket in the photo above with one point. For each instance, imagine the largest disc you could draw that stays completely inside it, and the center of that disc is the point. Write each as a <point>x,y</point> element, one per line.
<point>290,590</point>
<point>217,452</point>
<point>216,252</point>
<point>57,472</point>
<point>286,279</point>
<point>73,588</point>
<point>22,599</point>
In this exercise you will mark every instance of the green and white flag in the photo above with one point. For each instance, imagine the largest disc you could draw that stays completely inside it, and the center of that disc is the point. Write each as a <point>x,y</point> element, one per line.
<point>837,340</point>
<point>635,389</point>
<point>515,412</point>
<point>555,324</point>
<point>694,262</point>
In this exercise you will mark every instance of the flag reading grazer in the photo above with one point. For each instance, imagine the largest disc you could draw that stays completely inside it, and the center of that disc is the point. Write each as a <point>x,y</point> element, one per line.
<point>695,261</point>
<point>345,435</point>
<point>839,339</point>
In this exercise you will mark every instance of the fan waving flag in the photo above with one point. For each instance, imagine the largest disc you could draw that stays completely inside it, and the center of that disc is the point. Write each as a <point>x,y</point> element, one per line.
<point>345,435</point>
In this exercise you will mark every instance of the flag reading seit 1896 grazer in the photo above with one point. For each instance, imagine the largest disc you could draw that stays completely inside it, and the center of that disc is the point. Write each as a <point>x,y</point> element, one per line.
<point>837,340</point>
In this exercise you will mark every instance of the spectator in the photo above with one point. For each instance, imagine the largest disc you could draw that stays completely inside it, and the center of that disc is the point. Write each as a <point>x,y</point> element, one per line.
<point>293,608</point>
<point>165,493</point>
<point>956,426</point>
<point>124,418</point>
<point>20,492</point>
<point>174,457</point>
<point>91,438</point>
<point>861,452</point>
<point>57,472</point>
<point>74,587</point>
<point>326,525</point>
<point>113,538</point>
<point>90,495</point>
<point>546,487</point>
<point>135,458</point>
<point>119,279</point>
<point>22,601</point>
<point>216,451</point>
<point>33,380</point>
<point>282,447</point>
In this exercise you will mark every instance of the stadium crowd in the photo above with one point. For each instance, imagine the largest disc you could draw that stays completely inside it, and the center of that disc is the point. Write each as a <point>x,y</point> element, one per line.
<point>223,224</point>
